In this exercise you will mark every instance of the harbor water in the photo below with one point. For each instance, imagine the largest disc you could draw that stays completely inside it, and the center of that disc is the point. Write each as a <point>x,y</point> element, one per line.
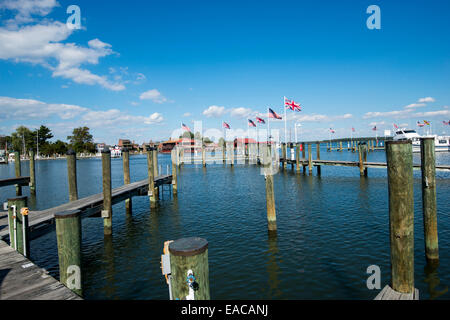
<point>330,230</point>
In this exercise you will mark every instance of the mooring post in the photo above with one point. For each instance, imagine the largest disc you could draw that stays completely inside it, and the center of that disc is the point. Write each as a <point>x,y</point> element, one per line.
<point>32,174</point>
<point>366,152</point>
<point>18,170</point>
<point>283,155</point>
<point>319,168</point>
<point>151,177</point>
<point>401,214</point>
<point>231,149</point>
<point>297,158</point>
<point>361,164</point>
<point>174,172</point>
<point>203,155</point>
<point>107,192</point>
<point>189,269</point>
<point>71,157</point>
<point>68,237</point>
<point>270,194</point>
<point>428,164</point>
<point>126,178</point>
<point>310,161</point>
<point>224,150</point>
<point>304,156</point>
<point>18,230</point>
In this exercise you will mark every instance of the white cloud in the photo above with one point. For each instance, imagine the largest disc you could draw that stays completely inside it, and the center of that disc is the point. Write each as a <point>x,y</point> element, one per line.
<point>26,109</point>
<point>26,8</point>
<point>214,111</point>
<point>433,113</point>
<point>241,112</point>
<point>317,117</point>
<point>415,105</point>
<point>42,44</point>
<point>187,114</point>
<point>153,95</point>
<point>427,99</point>
<point>397,114</point>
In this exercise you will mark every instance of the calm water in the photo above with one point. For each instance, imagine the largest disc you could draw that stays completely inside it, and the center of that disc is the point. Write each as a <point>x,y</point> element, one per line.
<point>330,229</point>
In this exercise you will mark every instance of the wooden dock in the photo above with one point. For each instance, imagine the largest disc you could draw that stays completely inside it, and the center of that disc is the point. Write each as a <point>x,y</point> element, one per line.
<point>389,294</point>
<point>41,222</point>
<point>21,181</point>
<point>20,279</point>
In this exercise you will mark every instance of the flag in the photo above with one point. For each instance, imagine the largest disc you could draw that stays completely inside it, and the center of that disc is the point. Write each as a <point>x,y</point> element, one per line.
<point>260,120</point>
<point>273,114</point>
<point>251,123</point>
<point>185,127</point>
<point>447,123</point>
<point>395,126</point>
<point>426,122</point>
<point>226,125</point>
<point>332,131</point>
<point>374,128</point>
<point>291,104</point>
<point>420,124</point>
<point>353,129</point>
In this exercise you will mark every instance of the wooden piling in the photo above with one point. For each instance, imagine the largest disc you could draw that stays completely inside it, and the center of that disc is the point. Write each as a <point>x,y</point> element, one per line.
<point>155,168</point>
<point>297,158</point>
<point>428,164</point>
<point>107,192</point>
<point>303,156</point>
<point>126,178</point>
<point>283,155</point>
<point>18,171</point>
<point>151,178</point>
<point>71,158</point>
<point>270,194</point>
<point>18,230</point>
<point>189,254</point>
<point>310,162</point>
<point>68,236</point>
<point>340,146</point>
<point>401,214</point>
<point>224,150</point>
<point>174,172</point>
<point>319,168</point>
<point>365,152</point>
<point>32,173</point>
<point>361,163</point>
<point>203,155</point>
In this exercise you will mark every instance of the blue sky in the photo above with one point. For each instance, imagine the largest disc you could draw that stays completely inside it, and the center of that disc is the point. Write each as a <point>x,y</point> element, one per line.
<point>137,69</point>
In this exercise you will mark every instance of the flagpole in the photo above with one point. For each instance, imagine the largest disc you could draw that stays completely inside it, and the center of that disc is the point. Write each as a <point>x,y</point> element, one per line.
<point>285,120</point>
<point>268,125</point>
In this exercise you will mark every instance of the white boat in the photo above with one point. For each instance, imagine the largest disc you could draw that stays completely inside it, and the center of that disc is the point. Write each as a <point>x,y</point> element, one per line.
<point>441,143</point>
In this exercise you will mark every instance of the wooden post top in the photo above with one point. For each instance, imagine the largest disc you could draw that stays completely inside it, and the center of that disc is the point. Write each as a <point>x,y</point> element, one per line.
<point>426,138</point>
<point>188,247</point>
<point>67,214</point>
<point>399,142</point>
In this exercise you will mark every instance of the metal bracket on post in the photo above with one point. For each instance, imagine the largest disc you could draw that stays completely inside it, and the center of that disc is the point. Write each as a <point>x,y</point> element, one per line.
<point>105,213</point>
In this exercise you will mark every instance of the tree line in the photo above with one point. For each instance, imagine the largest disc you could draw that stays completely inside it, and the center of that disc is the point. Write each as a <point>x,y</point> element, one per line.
<point>24,140</point>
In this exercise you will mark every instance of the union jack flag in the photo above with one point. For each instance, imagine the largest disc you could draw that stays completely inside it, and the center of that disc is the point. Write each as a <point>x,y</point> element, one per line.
<point>260,120</point>
<point>332,131</point>
<point>447,123</point>
<point>273,114</point>
<point>251,123</point>
<point>291,104</point>
<point>185,127</point>
<point>226,125</point>
<point>420,124</point>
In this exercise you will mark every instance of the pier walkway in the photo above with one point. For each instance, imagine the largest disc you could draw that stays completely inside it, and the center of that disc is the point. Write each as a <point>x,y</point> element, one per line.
<point>41,222</point>
<point>20,279</point>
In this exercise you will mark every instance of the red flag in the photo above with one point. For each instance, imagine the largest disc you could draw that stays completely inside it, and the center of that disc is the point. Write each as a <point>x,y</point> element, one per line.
<point>185,127</point>
<point>273,114</point>
<point>353,129</point>
<point>420,124</point>
<point>226,125</point>
<point>251,123</point>
<point>395,126</point>
<point>447,123</point>
<point>332,131</point>
<point>260,120</point>
<point>374,128</point>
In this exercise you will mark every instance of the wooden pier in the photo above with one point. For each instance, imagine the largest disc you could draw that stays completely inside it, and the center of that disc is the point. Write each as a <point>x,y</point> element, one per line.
<point>21,181</point>
<point>41,222</point>
<point>389,294</point>
<point>20,279</point>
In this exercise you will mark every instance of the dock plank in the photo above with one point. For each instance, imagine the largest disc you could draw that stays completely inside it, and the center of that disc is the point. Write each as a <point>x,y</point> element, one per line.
<point>390,294</point>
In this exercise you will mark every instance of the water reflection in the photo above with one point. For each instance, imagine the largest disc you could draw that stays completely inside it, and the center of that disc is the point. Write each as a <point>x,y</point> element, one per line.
<point>433,281</point>
<point>110,272</point>
<point>273,269</point>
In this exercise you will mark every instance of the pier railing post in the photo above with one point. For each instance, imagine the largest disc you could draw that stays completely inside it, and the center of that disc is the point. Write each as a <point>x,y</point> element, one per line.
<point>401,214</point>
<point>68,236</point>
<point>18,171</point>
<point>18,226</point>
<point>174,171</point>
<point>32,174</point>
<point>126,178</point>
<point>71,158</point>
<point>428,164</point>
<point>189,269</point>
<point>151,177</point>
<point>319,168</point>
<point>270,194</point>
<point>107,192</point>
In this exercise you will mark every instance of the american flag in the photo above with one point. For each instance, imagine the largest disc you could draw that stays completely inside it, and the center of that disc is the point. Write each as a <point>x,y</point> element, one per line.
<point>260,120</point>
<point>420,124</point>
<point>291,104</point>
<point>447,123</point>
<point>395,126</point>
<point>353,129</point>
<point>374,128</point>
<point>185,127</point>
<point>332,131</point>
<point>426,122</point>
<point>273,114</point>
<point>251,123</point>
<point>226,125</point>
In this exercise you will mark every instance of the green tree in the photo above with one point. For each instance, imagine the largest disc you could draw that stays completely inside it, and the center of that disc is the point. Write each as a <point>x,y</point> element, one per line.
<point>80,139</point>
<point>23,139</point>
